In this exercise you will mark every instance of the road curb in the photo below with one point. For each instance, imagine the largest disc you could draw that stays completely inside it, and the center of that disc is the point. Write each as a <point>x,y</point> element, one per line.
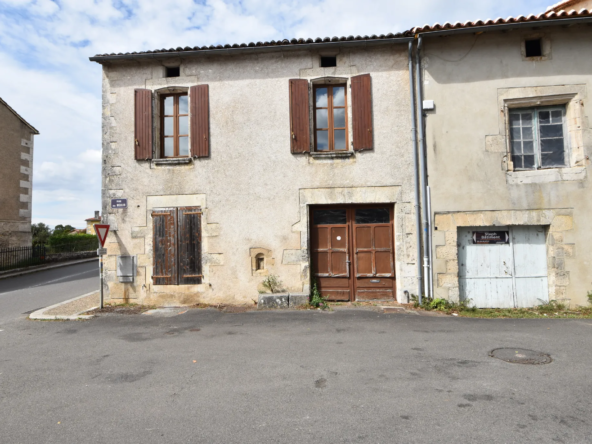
<point>39,315</point>
<point>24,271</point>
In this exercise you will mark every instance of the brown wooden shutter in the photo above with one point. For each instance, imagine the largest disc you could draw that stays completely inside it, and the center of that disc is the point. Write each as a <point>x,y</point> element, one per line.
<point>164,246</point>
<point>299,116</point>
<point>199,114</point>
<point>189,246</point>
<point>361,93</point>
<point>143,124</point>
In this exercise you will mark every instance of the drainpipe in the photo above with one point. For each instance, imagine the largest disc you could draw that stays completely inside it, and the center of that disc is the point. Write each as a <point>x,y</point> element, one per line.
<point>416,170</point>
<point>424,175</point>
<point>430,235</point>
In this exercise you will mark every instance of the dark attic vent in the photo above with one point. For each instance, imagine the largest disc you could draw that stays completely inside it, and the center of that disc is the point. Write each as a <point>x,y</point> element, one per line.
<point>173,72</point>
<point>534,48</point>
<point>328,62</point>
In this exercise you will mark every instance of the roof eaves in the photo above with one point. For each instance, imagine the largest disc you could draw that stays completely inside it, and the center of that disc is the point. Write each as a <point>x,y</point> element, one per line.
<point>545,19</point>
<point>245,48</point>
<point>31,127</point>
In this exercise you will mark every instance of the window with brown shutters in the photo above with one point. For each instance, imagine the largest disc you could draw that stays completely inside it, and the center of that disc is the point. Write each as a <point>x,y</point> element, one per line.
<point>177,246</point>
<point>174,121</point>
<point>143,124</point>
<point>330,117</point>
<point>299,117</point>
<point>361,94</point>
<point>200,120</point>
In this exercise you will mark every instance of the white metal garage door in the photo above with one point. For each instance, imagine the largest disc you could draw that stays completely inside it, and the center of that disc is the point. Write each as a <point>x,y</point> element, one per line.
<point>503,267</point>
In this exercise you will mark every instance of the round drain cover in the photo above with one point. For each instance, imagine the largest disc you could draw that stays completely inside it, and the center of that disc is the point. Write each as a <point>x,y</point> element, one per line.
<point>521,356</point>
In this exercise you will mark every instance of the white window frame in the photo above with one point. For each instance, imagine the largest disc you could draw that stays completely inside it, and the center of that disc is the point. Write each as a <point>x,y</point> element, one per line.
<point>537,139</point>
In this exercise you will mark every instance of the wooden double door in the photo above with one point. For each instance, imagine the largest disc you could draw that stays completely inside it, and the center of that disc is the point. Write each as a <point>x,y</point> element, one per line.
<point>352,249</point>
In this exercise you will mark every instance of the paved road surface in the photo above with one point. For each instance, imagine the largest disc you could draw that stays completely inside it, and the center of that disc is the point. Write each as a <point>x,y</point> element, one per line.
<point>24,294</point>
<point>293,377</point>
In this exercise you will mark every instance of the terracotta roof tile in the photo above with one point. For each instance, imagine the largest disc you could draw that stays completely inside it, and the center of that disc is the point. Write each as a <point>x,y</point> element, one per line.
<point>550,15</point>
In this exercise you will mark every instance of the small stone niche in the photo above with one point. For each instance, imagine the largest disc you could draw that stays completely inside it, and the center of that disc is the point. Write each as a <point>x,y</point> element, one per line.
<point>261,261</point>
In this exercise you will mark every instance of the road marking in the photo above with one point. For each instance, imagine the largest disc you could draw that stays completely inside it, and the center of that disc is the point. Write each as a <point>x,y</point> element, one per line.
<point>51,282</point>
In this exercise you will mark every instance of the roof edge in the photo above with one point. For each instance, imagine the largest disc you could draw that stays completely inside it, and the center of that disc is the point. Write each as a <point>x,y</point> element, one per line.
<point>31,127</point>
<point>250,49</point>
<point>499,26</point>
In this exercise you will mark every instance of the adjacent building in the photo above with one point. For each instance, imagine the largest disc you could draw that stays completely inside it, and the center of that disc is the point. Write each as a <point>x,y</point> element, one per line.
<point>91,222</point>
<point>508,145</point>
<point>16,178</point>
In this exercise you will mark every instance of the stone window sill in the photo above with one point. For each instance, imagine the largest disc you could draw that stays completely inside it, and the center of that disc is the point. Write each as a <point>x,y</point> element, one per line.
<point>172,162</point>
<point>546,176</point>
<point>332,154</point>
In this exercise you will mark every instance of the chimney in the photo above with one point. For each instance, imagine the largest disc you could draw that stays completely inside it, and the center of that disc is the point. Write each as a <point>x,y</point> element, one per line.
<point>97,214</point>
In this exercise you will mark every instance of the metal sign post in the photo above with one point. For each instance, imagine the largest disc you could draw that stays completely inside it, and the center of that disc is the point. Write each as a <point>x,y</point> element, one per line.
<point>101,232</point>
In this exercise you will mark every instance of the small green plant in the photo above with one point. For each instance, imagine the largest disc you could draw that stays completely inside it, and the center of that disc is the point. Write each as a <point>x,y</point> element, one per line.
<point>590,297</point>
<point>316,300</point>
<point>272,283</point>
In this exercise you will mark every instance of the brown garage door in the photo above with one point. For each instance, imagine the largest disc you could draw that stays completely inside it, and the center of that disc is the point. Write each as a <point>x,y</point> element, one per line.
<point>353,252</point>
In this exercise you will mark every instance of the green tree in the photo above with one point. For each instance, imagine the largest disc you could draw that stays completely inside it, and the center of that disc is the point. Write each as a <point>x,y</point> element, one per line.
<point>61,230</point>
<point>41,233</point>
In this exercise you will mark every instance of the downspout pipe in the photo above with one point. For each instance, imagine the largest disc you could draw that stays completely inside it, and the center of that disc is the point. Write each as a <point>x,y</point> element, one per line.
<point>416,170</point>
<point>423,169</point>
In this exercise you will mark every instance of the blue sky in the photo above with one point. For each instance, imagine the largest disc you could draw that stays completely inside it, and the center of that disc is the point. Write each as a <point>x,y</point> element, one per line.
<point>46,76</point>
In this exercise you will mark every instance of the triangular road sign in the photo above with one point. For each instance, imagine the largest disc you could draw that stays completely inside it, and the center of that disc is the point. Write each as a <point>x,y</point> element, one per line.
<point>102,231</point>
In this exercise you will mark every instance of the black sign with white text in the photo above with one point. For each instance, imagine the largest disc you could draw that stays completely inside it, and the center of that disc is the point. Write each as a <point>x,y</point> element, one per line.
<point>119,203</point>
<point>491,237</point>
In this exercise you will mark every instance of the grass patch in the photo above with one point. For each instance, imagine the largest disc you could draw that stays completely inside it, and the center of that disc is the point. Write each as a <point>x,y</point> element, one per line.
<point>551,310</point>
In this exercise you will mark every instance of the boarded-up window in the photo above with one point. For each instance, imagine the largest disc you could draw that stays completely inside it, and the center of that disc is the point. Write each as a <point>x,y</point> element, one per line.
<point>143,124</point>
<point>189,246</point>
<point>361,94</point>
<point>200,120</point>
<point>299,116</point>
<point>177,246</point>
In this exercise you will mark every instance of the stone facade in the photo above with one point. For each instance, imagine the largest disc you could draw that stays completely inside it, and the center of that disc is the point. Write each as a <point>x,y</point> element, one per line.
<point>559,227</point>
<point>16,178</point>
<point>253,193</point>
<point>475,80</point>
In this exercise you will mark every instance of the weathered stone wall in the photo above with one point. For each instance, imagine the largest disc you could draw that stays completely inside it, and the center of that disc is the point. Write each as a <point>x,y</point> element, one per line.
<point>559,251</point>
<point>253,192</point>
<point>474,80</point>
<point>16,172</point>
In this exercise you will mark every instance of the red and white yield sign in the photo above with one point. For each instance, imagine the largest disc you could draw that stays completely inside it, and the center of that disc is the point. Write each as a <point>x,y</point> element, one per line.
<point>102,231</point>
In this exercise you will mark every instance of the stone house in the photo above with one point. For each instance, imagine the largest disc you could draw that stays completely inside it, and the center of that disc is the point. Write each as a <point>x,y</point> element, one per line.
<point>508,141</point>
<point>238,162</point>
<point>16,178</point>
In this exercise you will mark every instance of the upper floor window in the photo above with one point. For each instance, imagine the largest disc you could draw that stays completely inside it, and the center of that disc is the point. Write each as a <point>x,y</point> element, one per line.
<point>330,112</point>
<point>175,125</point>
<point>538,138</point>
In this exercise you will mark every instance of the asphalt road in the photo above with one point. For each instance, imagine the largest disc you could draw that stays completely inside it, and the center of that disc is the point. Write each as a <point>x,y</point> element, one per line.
<point>22,295</point>
<point>293,377</point>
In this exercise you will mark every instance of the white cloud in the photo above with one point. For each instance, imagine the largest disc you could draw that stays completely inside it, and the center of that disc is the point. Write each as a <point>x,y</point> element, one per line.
<point>47,78</point>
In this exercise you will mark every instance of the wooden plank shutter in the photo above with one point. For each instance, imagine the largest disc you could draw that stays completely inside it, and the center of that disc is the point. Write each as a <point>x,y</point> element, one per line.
<point>361,92</point>
<point>143,124</point>
<point>164,246</point>
<point>189,246</point>
<point>199,115</point>
<point>299,116</point>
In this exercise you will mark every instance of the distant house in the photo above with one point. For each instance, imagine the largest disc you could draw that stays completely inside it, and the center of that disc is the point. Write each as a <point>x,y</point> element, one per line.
<point>91,221</point>
<point>16,178</point>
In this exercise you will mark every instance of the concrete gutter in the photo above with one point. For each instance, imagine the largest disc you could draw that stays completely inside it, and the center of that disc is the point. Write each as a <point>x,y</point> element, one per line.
<point>22,271</point>
<point>40,315</point>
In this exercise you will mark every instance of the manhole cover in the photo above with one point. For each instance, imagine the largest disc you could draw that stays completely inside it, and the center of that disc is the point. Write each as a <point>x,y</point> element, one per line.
<point>521,356</point>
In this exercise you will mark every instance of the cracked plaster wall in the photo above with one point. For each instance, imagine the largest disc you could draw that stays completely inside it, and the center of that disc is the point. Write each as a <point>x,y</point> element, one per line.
<point>251,186</point>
